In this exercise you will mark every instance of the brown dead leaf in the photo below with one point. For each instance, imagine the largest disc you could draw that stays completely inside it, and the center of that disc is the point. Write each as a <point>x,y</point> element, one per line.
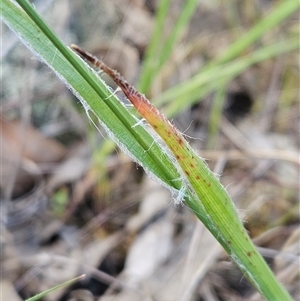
<point>22,149</point>
<point>23,139</point>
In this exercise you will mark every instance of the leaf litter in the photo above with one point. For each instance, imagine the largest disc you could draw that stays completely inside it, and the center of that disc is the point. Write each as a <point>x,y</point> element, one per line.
<point>123,230</point>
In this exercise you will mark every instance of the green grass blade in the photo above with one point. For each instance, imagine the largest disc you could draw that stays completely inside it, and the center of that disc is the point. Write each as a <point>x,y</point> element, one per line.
<point>45,293</point>
<point>93,93</point>
<point>276,16</point>
<point>185,16</point>
<point>224,222</point>
<point>150,60</point>
<point>216,113</point>
<point>185,94</point>
<point>202,191</point>
<point>157,56</point>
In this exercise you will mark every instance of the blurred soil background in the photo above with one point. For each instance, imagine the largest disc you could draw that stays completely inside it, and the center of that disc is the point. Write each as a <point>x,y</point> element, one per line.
<point>70,206</point>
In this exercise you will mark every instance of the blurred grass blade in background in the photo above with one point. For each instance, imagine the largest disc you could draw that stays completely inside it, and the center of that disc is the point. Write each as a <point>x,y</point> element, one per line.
<point>158,51</point>
<point>57,287</point>
<point>228,65</point>
<point>199,86</point>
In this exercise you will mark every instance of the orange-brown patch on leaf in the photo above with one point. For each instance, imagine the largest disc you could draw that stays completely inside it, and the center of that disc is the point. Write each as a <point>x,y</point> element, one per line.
<point>180,141</point>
